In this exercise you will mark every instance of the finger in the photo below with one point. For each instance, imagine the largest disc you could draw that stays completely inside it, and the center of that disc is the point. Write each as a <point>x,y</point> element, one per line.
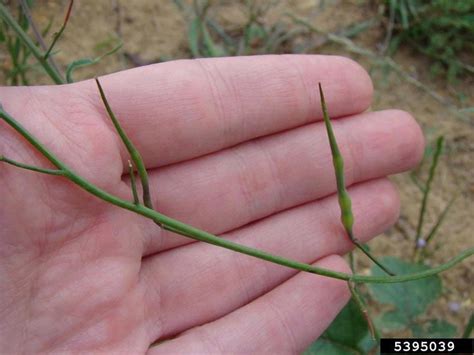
<point>202,282</point>
<point>284,321</point>
<point>226,190</point>
<point>183,109</point>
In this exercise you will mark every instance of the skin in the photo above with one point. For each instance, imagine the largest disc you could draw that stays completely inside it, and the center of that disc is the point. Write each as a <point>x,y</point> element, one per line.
<point>235,146</point>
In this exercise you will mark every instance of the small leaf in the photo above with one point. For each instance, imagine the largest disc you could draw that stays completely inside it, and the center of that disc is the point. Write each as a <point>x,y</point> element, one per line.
<point>213,49</point>
<point>347,334</point>
<point>84,62</point>
<point>410,298</point>
<point>77,64</point>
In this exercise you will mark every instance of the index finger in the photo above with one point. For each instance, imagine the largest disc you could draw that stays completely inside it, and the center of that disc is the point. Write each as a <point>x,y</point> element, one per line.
<point>183,109</point>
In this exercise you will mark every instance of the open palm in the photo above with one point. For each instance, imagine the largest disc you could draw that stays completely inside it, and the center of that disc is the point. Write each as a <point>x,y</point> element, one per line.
<point>234,146</point>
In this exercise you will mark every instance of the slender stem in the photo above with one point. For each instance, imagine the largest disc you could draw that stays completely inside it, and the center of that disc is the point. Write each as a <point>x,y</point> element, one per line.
<point>31,167</point>
<point>434,164</point>
<point>358,298</point>
<point>440,220</point>
<point>136,201</point>
<point>420,252</point>
<point>26,10</point>
<point>197,234</point>
<point>134,154</point>
<point>370,256</point>
<point>344,199</point>
<point>39,38</point>
<point>360,303</point>
<point>52,72</point>
<point>61,30</point>
<point>352,262</point>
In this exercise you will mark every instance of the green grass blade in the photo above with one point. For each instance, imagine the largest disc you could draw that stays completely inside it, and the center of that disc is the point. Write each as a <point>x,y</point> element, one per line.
<point>213,49</point>
<point>194,33</point>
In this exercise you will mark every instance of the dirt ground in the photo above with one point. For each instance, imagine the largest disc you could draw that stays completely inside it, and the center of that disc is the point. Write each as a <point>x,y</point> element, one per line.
<point>153,30</point>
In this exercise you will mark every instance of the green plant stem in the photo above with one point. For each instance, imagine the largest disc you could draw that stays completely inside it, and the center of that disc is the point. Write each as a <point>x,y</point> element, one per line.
<point>197,234</point>
<point>39,38</point>
<point>352,262</point>
<point>31,167</point>
<point>344,199</point>
<point>134,154</point>
<point>358,298</point>
<point>420,252</point>
<point>61,30</point>
<point>136,200</point>
<point>441,217</point>
<point>26,11</point>
<point>427,190</point>
<point>52,72</point>
<point>360,303</point>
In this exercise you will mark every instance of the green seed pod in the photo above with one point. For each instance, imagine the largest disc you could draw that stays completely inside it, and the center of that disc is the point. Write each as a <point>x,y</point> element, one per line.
<point>345,204</point>
<point>347,217</point>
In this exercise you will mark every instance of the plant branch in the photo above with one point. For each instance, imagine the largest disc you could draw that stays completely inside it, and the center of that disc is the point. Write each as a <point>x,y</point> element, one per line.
<point>136,200</point>
<point>61,30</point>
<point>360,303</point>
<point>39,38</point>
<point>344,199</point>
<point>50,70</point>
<point>197,234</point>
<point>440,220</point>
<point>419,253</point>
<point>427,190</point>
<point>31,167</point>
<point>134,154</point>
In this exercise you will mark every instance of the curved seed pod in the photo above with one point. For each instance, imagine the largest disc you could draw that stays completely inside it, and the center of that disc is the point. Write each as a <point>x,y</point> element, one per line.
<point>345,203</point>
<point>347,218</point>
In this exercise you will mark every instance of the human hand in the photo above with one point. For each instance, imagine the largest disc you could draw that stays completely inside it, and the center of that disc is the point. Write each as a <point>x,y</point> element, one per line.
<point>234,146</point>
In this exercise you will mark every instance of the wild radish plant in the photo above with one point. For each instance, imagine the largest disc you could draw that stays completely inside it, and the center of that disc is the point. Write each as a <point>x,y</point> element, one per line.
<point>385,271</point>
